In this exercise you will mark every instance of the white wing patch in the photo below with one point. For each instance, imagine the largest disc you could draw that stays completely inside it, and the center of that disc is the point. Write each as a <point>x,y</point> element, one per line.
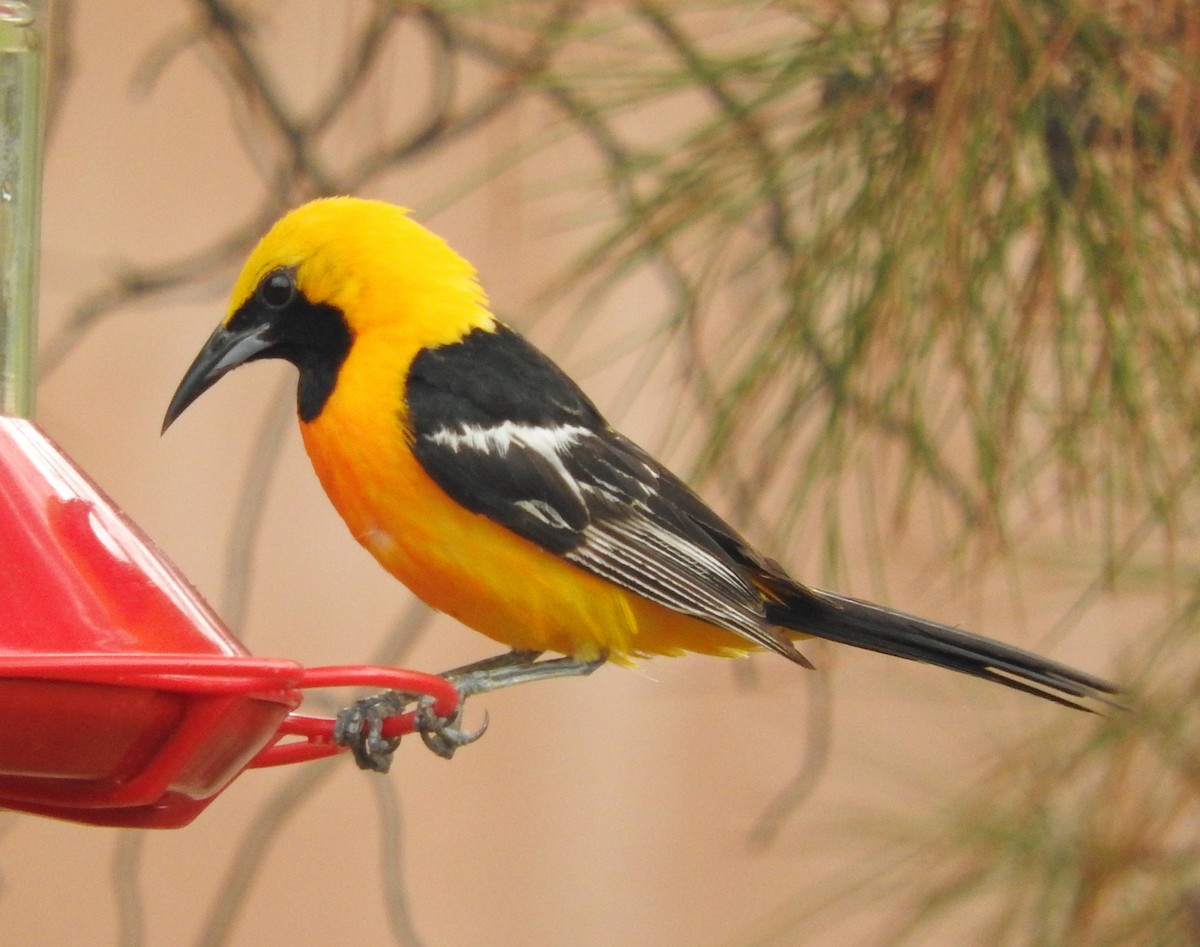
<point>549,442</point>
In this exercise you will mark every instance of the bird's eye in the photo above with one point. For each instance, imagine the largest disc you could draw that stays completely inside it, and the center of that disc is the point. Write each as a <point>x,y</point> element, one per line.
<point>277,289</point>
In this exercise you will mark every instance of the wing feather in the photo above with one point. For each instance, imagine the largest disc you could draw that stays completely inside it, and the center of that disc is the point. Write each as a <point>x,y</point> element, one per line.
<point>539,459</point>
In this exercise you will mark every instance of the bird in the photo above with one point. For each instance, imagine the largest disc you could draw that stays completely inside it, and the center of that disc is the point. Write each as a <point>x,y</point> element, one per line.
<point>484,479</point>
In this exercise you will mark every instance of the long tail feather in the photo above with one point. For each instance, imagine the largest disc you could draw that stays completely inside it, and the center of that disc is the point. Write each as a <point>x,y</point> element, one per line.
<point>863,625</point>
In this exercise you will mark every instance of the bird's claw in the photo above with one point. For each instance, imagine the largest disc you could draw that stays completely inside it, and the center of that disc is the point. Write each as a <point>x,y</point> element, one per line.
<point>443,735</point>
<point>360,727</point>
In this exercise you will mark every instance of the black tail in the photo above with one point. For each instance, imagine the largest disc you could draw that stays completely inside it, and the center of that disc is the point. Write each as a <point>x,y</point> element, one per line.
<point>863,625</point>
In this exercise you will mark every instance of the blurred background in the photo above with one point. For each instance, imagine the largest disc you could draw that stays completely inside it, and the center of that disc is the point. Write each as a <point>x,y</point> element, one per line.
<point>908,290</point>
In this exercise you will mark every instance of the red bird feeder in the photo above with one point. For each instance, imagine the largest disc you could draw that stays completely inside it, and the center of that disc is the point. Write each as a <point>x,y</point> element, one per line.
<point>123,699</point>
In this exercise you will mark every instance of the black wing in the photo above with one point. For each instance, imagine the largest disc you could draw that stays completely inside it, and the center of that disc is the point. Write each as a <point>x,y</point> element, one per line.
<point>508,435</point>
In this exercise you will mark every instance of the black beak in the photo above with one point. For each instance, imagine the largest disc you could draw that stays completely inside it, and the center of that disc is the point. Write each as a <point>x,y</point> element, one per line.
<point>224,351</point>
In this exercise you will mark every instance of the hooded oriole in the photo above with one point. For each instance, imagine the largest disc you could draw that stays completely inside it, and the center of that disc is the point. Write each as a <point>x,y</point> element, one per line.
<point>483,478</point>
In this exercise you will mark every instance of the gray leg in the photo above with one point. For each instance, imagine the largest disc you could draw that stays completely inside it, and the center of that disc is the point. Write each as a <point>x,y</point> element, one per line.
<point>478,679</point>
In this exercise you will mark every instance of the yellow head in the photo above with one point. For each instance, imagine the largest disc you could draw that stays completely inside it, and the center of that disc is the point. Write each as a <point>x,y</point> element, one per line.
<point>326,274</point>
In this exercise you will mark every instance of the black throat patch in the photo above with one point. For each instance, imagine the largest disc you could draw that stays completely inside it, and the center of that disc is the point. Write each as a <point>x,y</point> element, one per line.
<point>314,337</point>
<point>322,342</point>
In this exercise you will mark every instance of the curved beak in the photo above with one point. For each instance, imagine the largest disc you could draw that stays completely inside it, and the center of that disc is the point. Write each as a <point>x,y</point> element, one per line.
<point>224,351</point>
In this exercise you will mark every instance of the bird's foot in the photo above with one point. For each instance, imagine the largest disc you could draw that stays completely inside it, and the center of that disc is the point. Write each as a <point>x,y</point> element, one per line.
<point>444,735</point>
<point>360,726</point>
